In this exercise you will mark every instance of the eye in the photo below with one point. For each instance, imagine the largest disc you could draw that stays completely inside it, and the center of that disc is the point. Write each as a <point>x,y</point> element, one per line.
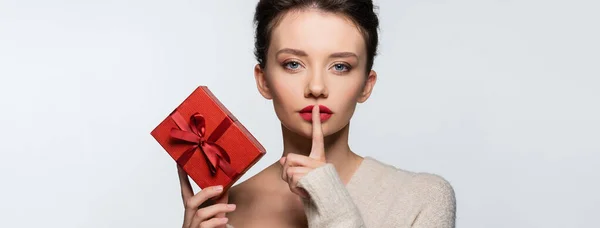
<point>292,65</point>
<point>339,67</point>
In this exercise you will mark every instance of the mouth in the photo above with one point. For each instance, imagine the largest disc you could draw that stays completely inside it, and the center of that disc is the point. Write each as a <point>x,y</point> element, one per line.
<point>324,113</point>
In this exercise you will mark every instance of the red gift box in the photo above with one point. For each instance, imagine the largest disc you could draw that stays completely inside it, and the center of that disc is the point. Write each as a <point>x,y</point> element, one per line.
<point>204,138</point>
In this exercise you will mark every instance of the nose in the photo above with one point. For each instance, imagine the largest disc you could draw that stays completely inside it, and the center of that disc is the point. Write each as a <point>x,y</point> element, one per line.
<point>316,86</point>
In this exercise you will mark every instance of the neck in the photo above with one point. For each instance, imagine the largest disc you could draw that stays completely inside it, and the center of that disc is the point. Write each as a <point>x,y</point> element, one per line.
<point>337,150</point>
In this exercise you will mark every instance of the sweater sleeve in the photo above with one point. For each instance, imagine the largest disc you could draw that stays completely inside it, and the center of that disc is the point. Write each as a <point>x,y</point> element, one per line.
<point>439,208</point>
<point>330,205</point>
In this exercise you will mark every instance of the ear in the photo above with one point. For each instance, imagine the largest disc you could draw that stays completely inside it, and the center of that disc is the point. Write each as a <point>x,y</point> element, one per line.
<point>261,82</point>
<point>368,88</point>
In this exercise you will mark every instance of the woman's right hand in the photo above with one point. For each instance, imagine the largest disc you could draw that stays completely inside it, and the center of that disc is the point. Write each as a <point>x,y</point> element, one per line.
<point>200,212</point>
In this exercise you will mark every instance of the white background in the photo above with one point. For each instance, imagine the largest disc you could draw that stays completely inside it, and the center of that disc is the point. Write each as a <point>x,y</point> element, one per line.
<point>499,97</point>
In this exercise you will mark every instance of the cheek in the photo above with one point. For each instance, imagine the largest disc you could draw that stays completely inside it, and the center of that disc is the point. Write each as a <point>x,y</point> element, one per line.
<point>349,92</point>
<point>287,93</point>
<point>284,91</point>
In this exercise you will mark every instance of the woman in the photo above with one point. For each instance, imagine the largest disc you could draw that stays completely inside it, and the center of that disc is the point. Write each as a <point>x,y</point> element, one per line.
<point>314,63</point>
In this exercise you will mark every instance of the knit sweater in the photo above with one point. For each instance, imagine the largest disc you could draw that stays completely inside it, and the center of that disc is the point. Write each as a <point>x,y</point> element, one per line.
<point>377,195</point>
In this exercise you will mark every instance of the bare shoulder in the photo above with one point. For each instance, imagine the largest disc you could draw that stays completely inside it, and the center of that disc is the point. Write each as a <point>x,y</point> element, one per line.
<point>250,190</point>
<point>244,195</point>
<point>264,200</point>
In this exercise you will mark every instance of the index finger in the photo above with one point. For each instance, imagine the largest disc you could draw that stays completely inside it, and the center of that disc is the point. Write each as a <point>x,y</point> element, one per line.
<point>186,187</point>
<point>318,148</point>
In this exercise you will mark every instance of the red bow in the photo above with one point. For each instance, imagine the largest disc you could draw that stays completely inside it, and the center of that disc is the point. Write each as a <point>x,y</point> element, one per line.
<point>193,133</point>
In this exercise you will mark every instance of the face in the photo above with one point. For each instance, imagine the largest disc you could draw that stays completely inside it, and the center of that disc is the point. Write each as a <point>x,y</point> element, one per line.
<point>315,58</point>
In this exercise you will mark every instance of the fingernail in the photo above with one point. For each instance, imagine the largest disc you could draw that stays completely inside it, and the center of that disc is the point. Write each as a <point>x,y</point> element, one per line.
<point>219,188</point>
<point>224,219</point>
<point>231,206</point>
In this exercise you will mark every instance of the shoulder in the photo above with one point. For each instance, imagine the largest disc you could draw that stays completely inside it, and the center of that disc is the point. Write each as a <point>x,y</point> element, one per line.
<point>242,191</point>
<point>425,187</point>
<point>433,189</point>
<point>263,185</point>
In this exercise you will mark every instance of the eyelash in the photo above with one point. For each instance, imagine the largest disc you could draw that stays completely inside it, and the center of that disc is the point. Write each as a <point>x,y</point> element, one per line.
<point>285,64</point>
<point>348,67</point>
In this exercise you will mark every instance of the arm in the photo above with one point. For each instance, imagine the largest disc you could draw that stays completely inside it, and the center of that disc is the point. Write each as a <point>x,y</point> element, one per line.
<point>440,203</point>
<point>330,204</point>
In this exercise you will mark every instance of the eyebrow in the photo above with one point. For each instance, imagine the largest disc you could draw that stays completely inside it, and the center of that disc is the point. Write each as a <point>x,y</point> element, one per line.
<point>291,51</point>
<point>302,53</point>
<point>343,55</point>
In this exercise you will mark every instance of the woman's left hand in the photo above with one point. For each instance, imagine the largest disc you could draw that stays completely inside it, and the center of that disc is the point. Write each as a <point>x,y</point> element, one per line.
<point>295,166</point>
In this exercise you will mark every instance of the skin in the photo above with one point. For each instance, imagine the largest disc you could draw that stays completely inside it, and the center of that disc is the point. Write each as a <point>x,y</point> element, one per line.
<point>314,58</point>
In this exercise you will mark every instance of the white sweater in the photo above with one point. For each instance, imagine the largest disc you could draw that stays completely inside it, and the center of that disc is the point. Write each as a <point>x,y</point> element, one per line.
<point>378,195</point>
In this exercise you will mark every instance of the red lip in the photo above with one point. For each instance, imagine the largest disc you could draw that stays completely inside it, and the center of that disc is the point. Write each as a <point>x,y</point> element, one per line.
<point>322,109</point>
<point>325,113</point>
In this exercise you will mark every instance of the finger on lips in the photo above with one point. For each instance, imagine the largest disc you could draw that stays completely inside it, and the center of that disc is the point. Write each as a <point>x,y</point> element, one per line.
<point>318,149</point>
<point>296,166</point>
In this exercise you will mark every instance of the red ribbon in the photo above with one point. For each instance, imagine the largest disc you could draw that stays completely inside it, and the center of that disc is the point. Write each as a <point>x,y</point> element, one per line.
<point>193,133</point>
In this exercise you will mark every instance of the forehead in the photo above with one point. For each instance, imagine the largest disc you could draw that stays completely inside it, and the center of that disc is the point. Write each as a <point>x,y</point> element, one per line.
<point>315,31</point>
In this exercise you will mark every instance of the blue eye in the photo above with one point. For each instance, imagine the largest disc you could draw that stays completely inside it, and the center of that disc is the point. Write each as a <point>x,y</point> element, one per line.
<point>341,67</point>
<point>293,65</point>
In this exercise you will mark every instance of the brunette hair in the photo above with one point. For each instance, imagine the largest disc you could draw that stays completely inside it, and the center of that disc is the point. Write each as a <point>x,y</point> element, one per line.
<point>361,12</point>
